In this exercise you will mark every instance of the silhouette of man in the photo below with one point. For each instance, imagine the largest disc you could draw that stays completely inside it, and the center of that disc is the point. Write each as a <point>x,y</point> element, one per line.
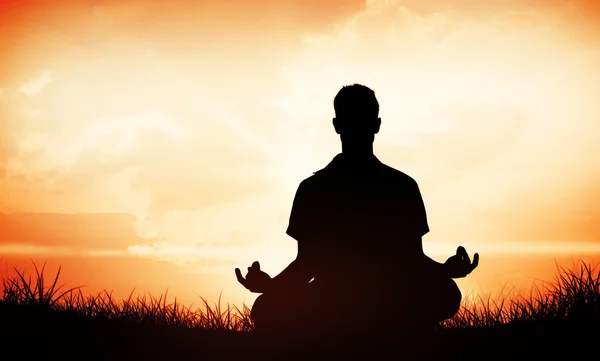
<point>359,226</point>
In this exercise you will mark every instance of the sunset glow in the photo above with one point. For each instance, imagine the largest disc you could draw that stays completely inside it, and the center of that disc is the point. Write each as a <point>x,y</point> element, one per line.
<point>160,144</point>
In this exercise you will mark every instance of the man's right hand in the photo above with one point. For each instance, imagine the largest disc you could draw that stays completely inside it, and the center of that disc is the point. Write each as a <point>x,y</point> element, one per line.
<point>256,280</point>
<point>459,265</point>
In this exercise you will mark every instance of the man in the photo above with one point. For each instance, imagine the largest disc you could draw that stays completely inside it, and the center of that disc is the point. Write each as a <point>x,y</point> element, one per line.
<point>359,225</point>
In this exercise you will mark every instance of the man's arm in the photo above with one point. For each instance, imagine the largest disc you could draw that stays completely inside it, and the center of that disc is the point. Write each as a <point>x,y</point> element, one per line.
<point>299,271</point>
<point>417,258</point>
<point>438,267</point>
<point>300,228</point>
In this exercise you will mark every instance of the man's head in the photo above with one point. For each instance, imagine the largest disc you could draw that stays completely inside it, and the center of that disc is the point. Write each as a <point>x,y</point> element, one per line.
<point>356,114</point>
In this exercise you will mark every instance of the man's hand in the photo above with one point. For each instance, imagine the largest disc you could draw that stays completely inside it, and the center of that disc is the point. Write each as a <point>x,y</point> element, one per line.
<point>459,265</point>
<point>256,280</point>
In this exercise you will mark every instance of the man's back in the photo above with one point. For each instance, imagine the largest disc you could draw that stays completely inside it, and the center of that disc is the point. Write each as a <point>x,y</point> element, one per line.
<point>360,217</point>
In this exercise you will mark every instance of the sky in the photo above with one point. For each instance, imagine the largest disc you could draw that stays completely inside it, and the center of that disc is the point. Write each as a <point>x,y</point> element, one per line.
<point>159,145</point>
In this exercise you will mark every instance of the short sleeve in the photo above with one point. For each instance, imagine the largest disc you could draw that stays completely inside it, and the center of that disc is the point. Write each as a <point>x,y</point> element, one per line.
<point>301,223</point>
<point>419,222</point>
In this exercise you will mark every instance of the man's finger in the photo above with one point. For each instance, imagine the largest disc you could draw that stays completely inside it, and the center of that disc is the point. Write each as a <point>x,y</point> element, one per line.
<point>462,253</point>
<point>466,258</point>
<point>475,261</point>
<point>239,276</point>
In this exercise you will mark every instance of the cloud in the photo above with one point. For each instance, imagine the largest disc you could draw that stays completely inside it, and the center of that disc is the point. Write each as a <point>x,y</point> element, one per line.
<point>68,159</point>
<point>36,84</point>
<point>58,251</point>
<point>471,137</point>
<point>481,104</point>
<point>201,173</point>
<point>192,259</point>
<point>499,248</point>
<point>69,231</point>
<point>8,124</point>
<point>565,212</point>
<point>158,118</point>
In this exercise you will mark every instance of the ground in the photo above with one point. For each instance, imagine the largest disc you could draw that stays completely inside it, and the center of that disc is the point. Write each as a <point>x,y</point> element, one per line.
<point>50,335</point>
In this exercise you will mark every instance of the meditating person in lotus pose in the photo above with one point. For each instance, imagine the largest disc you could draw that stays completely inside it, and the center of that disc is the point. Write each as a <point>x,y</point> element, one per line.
<point>359,226</point>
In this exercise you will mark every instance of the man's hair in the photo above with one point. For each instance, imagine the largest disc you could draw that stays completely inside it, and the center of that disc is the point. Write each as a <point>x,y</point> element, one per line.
<point>356,101</point>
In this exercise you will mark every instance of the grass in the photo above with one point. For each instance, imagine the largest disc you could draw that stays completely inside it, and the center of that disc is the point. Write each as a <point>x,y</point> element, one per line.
<point>142,309</point>
<point>562,311</point>
<point>574,293</point>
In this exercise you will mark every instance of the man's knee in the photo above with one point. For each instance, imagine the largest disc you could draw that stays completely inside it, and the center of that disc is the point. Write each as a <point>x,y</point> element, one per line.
<point>262,311</point>
<point>451,300</point>
<point>274,310</point>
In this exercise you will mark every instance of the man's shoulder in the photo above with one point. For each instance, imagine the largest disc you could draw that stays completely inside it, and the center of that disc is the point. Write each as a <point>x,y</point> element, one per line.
<point>317,180</point>
<point>396,175</point>
<point>384,172</point>
<point>312,180</point>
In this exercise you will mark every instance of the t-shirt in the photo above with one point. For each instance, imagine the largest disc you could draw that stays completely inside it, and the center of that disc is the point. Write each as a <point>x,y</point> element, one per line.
<point>358,214</point>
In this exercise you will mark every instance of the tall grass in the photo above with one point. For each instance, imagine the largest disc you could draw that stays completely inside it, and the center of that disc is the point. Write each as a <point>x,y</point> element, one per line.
<point>144,309</point>
<point>22,290</point>
<point>574,294</point>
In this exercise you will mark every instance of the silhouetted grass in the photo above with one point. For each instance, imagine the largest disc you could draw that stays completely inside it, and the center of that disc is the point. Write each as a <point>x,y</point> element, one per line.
<point>574,294</point>
<point>30,292</point>
<point>142,309</point>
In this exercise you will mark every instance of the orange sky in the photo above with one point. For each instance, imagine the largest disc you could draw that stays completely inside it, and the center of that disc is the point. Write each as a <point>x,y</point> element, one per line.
<point>190,124</point>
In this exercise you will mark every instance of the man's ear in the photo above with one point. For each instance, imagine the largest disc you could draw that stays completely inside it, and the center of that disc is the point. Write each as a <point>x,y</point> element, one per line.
<point>337,125</point>
<point>377,125</point>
